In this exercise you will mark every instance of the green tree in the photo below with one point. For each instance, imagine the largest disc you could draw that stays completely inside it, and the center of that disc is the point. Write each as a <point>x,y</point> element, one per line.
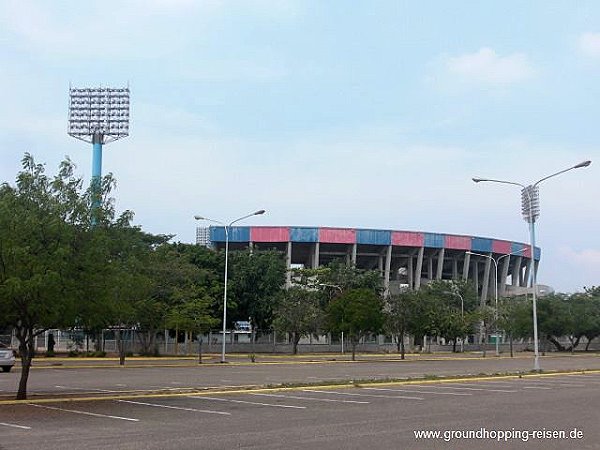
<point>512,311</point>
<point>590,314</point>
<point>560,315</point>
<point>448,309</point>
<point>46,243</point>
<point>194,316</point>
<point>256,279</point>
<point>573,316</point>
<point>555,319</point>
<point>174,278</point>
<point>129,285</point>
<point>400,315</point>
<point>298,313</point>
<point>356,313</point>
<point>337,277</point>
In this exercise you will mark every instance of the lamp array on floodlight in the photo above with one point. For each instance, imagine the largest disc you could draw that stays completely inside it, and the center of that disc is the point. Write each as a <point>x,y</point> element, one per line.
<point>99,114</point>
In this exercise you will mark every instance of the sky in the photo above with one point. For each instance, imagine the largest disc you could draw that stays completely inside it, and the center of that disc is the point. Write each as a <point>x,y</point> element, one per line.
<point>369,114</point>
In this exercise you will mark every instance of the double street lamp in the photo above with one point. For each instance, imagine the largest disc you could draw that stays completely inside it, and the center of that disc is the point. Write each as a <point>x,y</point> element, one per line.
<point>530,208</point>
<point>226,227</point>
<point>496,262</point>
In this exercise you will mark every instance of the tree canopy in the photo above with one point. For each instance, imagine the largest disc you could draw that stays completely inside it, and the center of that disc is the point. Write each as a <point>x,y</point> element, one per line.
<point>356,313</point>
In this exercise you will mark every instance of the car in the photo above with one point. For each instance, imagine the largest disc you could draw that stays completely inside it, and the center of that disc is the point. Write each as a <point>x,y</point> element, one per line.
<point>7,358</point>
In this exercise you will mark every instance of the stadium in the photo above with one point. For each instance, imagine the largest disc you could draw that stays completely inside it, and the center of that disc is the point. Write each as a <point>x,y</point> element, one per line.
<point>404,258</point>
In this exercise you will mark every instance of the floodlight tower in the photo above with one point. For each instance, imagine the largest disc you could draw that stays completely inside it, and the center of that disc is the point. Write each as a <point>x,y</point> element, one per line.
<point>98,116</point>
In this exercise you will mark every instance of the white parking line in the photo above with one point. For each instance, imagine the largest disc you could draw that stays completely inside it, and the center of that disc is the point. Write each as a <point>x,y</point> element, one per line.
<point>405,397</point>
<point>418,392</point>
<point>588,380</point>
<point>85,413</point>
<point>475,389</point>
<point>15,426</point>
<point>245,402</point>
<point>314,399</point>
<point>208,411</point>
<point>491,383</point>
<point>537,387</point>
<point>555,383</point>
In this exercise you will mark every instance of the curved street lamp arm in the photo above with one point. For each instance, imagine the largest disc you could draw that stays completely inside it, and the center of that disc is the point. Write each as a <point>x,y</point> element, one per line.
<point>209,220</point>
<point>478,180</point>
<point>256,213</point>
<point>577,166</point>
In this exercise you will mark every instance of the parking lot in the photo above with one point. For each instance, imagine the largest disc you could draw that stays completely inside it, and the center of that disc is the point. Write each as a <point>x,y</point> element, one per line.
<point>369,416</point>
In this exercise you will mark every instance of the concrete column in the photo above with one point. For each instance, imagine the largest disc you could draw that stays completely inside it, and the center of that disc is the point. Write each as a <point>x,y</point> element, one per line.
<point>486,280</point>
<point>454,268</point>
<point>525,280</point>
<point>475,274</point>
<point>354,255</point>
<point>288,263</point>
<point>419,269</point>
<point>349,256</point>
<point>440,264</point>
<point>503,276</point>
<point>315,259</point>
<point>250,246</point>
<point>467,261</point>
<point>380,263</point>
<point>430,268</point>
<point>386,276</point>
<point>410,271</point>
<point>516,272</point>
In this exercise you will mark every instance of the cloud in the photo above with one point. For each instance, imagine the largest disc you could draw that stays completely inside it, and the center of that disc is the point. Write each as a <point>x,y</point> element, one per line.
<point>485,66</point>
<point>136,29</point>
<point>589,44</point>
<point>586,258</point>
<point>582,267</point>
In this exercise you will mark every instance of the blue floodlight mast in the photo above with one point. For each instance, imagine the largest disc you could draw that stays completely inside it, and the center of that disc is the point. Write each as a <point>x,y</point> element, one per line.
<point>98,116</point>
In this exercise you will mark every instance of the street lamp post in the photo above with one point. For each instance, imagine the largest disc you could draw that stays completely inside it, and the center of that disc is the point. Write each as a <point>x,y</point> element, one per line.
<point>226,227</point>
<point>530,208</point>
<point>455,291</point>
<point>496,263</point>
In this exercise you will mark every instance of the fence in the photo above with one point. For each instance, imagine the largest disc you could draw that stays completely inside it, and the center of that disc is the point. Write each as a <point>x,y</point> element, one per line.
<point>270,341</point>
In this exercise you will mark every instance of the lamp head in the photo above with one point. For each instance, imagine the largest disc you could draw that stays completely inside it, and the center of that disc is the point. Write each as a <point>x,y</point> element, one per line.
<point>259,212</point>
<point>198,217</point>
<point>477,180</point>
<point>582,164</point>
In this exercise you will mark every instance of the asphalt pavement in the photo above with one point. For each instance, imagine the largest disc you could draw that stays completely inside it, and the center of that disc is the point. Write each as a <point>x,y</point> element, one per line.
<point>555,411</point>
